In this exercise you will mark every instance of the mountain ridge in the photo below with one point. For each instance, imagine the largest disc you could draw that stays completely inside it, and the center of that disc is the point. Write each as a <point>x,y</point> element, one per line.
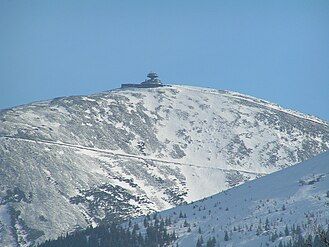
<point>291,111</point>
<point>265,211</point>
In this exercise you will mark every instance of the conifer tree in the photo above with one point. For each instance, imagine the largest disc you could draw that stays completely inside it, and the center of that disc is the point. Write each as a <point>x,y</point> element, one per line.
<point>226,237</point>
<point>286,231</point>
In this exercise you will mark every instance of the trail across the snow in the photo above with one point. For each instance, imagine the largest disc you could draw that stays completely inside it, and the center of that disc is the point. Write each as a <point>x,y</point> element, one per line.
<point>114,153</point>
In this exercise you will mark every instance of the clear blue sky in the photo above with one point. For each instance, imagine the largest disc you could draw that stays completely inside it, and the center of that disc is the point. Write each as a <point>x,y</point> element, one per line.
<point>275,50</point>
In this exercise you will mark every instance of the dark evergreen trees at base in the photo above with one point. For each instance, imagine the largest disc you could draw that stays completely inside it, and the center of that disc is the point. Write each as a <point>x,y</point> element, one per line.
<point>115,236</point>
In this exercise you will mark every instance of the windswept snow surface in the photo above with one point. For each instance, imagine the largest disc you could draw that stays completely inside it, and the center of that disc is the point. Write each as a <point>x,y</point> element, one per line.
<point>252,213</point>
<point>74,161</point>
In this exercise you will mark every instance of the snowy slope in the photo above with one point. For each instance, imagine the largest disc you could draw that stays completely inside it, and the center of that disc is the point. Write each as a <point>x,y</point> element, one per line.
<point>74,161</point>
<point>258,212</point>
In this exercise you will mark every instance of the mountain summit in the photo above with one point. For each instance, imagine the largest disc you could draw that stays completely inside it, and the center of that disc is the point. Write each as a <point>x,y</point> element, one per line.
<point>70,162</point>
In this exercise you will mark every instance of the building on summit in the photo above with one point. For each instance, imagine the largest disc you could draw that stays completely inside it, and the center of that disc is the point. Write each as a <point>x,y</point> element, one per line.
<point>151,82</point>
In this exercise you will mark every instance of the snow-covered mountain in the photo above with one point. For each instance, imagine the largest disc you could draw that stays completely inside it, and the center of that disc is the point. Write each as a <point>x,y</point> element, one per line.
<point>279,207</point>
<point>74,161</point>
